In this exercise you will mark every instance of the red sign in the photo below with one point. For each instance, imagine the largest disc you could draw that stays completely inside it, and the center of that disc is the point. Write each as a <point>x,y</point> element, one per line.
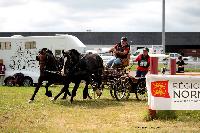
<point>160,89</point>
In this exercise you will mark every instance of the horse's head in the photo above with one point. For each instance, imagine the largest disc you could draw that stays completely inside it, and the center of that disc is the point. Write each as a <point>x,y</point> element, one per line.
<point>72,58</point>
<point>73,54</point>
<point>41,53</point>
<point>47,60</point>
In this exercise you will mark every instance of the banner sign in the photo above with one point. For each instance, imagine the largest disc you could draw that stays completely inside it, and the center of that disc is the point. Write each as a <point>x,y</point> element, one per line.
<point>173,92</point>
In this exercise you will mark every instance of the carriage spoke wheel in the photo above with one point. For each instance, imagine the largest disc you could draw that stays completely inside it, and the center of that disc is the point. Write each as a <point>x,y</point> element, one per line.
<point>111,88</point>
<point>119,89</point>
<point>142,91</point>
<point>112,92</point>
<point>128,86</point>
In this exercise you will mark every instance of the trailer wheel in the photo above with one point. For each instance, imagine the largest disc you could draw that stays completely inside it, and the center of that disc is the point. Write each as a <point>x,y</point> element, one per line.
<point>27,82</point>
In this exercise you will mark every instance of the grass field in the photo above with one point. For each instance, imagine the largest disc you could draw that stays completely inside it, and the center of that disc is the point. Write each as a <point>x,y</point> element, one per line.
<point>102,115</point>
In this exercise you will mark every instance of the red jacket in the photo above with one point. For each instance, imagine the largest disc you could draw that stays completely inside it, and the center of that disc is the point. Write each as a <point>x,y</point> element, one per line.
<point>143,62</point>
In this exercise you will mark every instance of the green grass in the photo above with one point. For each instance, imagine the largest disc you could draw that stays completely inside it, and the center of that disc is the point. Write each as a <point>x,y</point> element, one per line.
<point>101,115</point>
<point>192,70</point>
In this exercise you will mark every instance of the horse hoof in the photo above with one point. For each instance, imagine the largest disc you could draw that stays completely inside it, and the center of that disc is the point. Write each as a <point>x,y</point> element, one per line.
<point>84,97</point>
<point>64,98</point>
<point>71,100</point>
<point>30,101</point>
<point>48,93</point>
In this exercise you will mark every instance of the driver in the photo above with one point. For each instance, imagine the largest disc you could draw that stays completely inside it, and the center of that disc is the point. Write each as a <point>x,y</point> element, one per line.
<point>120,51</point>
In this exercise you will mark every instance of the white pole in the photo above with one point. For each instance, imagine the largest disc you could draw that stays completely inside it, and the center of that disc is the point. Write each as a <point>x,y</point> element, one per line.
<point>163,25</point>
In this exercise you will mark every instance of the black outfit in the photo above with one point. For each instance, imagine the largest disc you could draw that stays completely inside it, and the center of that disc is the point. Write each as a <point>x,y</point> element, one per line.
<point>180,63</point>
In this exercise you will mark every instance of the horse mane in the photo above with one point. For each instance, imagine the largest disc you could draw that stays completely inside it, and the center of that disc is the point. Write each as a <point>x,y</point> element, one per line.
<point>49,52</point>
<point>75,52</point>
<point>75,55</point>
<point>51,62</point>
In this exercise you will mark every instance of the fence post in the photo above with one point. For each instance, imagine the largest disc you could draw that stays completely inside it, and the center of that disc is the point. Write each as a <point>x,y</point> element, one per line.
<point>153,70</point>
<point>172,66</point>
<point>154,65</point>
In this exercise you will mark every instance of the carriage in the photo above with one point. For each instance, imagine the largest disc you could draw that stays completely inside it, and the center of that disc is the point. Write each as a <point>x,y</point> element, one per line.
<point>109,78</point>
<point>127,84</point>
<point>121,84</point>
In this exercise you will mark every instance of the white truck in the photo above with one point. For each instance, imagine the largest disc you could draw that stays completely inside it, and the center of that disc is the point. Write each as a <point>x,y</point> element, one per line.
<point>19,53</point>
<point>103,52</point>
<point>176,55</point>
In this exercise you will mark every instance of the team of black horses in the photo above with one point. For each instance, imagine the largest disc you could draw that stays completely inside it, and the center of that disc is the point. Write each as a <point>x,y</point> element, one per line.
<point>77,67</point>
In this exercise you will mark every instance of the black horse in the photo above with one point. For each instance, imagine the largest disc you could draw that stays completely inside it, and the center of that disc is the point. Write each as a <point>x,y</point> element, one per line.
<point>50,70</point>
<point>79,67</point>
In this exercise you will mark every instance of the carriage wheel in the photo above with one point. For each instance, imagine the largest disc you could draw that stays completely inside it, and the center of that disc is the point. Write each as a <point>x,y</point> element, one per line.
<point>111,88</point>
<point>142,91</point>
<point>112,93</point>
<point>121,89</point>
<point>128,87</point>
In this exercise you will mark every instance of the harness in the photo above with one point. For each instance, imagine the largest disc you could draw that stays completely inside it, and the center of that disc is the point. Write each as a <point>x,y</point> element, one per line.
<point>54,72</point>
<point>43,63</point>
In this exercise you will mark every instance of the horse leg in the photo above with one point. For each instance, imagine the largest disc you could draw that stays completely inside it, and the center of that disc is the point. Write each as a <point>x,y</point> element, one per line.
<point>36,89</point>
<point>85,91</point>
<point>99,83</point>
<point>66,92</point>
<point>48,93</point>
<point>74,90</point>
<point>66,86</point>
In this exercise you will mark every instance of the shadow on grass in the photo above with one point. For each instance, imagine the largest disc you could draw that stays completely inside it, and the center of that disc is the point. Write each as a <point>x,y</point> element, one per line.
<point>179,115</point>
<point>162,115</point>
<point>99,103</point>
<point>96,103</point>
<point>133,100</point>
<point>166,115</point>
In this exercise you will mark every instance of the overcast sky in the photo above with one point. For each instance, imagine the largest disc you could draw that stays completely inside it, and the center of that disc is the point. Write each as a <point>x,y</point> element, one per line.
<point>98,15</point>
